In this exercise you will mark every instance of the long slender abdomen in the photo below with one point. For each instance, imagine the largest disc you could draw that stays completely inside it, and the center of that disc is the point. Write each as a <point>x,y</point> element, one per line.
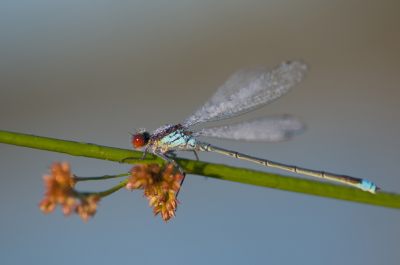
<point>355,182</point>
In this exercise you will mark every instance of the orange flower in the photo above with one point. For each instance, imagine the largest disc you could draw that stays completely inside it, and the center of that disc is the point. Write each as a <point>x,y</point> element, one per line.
<point>143,176</point>
<point>163,202</point>
<point>87,207</point>
<point>158,186</point>
<point>59,190</point>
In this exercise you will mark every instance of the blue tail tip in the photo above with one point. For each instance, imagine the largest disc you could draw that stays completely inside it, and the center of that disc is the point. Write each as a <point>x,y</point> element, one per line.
<point>369,186</point>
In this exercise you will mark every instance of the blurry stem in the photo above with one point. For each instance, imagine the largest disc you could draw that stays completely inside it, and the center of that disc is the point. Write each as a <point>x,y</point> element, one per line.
<point>99,178</point>
<point>107,192</point>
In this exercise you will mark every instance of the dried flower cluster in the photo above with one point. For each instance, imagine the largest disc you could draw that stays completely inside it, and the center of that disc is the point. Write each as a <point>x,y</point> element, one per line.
<point>159,186</point>
<point>59,190</point>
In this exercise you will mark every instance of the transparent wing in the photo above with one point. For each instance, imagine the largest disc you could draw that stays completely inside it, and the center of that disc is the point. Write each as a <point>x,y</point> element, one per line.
<point>270,129</point>
<point>247,90</point>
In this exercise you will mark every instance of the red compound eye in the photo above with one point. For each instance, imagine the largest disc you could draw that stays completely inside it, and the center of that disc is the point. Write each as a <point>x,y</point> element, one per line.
<point>138,141</point>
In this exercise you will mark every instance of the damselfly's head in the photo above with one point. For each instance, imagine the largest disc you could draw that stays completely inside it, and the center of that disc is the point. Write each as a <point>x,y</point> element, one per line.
<point>140,138</point>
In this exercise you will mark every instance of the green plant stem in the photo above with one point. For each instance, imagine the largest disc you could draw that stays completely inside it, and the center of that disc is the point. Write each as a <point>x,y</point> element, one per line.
<point>241,175</point>
<point>107,192</point>
<point>100,178</point>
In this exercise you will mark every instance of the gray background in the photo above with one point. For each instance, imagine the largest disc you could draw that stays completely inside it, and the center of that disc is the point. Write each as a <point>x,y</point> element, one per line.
<point>92,71</point>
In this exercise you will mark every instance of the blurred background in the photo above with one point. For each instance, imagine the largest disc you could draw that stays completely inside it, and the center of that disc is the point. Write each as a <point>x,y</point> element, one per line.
<point>92,71</point>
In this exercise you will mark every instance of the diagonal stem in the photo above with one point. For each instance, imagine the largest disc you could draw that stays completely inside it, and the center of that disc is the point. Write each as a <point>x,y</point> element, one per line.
<point>241,175</point>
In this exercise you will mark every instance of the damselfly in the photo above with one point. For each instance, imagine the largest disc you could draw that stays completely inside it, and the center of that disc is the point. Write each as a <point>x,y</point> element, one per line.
<point>245,91</point>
